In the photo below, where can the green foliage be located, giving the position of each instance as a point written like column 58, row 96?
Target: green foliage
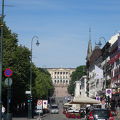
column 17, row 58
column 76, row 75
column 43, row 84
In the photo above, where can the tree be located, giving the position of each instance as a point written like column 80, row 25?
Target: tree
column 43, row 84
column 17, row 58
column 76, row 75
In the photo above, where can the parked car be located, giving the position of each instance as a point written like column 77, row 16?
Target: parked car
column 72, row 110
column 99, row 114
column 38, row 111
column 54, row 109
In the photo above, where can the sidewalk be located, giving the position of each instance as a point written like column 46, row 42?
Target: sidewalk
column 24, row 118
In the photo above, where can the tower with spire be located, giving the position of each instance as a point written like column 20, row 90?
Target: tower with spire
column 89, row 50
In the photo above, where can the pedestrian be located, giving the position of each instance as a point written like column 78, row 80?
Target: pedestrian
column 87, row 110
column 3, row 112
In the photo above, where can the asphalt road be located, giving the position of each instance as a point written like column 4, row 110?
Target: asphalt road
column 59, row 116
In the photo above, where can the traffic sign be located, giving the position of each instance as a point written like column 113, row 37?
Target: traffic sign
column 8, row 81
column 98, row 98
column 8, row 72
column 39, row 104
column 109, row 92
column 45, row 104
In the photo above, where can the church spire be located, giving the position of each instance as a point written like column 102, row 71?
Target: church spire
column 89, row 51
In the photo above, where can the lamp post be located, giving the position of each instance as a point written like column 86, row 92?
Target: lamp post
column 1, row 45
column 30, row 105
column 105, row 75
column 103, row 38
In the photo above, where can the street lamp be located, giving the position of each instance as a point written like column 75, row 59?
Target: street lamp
column 99, row 44
column 105, row 75
column 30, row 107
column 1, row 52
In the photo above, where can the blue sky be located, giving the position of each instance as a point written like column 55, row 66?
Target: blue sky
column 62, row 27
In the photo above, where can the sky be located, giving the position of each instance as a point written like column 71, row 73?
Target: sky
column 62, row 27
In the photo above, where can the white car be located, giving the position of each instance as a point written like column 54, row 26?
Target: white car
column 54, row 109
column 38, row 111
column 71, row 110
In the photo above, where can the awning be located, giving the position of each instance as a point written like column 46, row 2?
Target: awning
column 84, row 100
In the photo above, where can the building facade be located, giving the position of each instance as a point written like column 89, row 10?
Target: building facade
column 103, row 72
column 83, row 86
column 61, row 79
column 114, row 63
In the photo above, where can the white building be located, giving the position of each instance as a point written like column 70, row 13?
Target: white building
column 83, row 86
column 60, row 76
column 61, row 79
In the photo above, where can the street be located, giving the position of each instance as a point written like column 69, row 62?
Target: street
column 55, row 117
column 59, row 116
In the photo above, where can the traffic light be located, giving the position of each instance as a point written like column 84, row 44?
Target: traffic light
column 29, row 99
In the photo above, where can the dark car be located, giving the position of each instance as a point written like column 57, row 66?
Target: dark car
column 99, row 114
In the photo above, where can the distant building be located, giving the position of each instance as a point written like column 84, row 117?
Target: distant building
column 61, row 79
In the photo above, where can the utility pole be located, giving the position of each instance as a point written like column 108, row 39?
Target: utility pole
column 1, row 42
